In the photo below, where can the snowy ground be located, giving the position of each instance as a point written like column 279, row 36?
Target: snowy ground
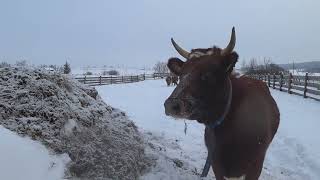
column 23, row 158
column 294, row 153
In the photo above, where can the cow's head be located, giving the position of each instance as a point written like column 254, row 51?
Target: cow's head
column 202, row 92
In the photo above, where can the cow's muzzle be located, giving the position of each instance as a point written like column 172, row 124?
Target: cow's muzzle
column 178, row 108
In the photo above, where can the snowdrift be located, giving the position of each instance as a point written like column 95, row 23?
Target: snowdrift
column 23, row 158
column 71, row 118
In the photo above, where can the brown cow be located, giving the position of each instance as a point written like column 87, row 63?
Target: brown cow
column 174, row 79
column 240, row 115
column 168, row 80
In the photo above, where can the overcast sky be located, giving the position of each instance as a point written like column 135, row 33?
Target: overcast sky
column 138, row 32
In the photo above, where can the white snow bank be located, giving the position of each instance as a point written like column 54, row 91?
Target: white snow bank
column 23, row 158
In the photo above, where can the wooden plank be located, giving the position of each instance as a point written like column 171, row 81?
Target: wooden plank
column 298, row 88
column 92, row 77
column 79, row 78
column 314, row 92
column 315, row 78
column 315, row 85
column 298, row 83
column 298, row 77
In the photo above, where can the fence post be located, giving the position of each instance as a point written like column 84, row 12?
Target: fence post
column 144, row 76
column 85, row 78
column 266, row 78
column 290, row 83
column 281, row 81
column 305, row 86
column 122, row 79
column 100, row 80
column 269, row 84
column 111, row 80
column 131, row 79
column 274, row 81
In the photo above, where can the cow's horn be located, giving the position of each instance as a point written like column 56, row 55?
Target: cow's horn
column 181, row 51
column 231, row 44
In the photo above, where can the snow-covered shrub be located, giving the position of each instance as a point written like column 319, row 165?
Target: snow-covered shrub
column 110, row 72
column 113, row 72
column 69, row 117
column 88, row 73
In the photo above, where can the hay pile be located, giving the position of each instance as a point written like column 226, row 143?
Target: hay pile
column 71, row 118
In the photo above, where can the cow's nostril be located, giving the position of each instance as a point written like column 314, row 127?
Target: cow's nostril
column 176, row 107
column 172, row 107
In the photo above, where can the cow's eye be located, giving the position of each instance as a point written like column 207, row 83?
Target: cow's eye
column 207, row 78
column 204, row 77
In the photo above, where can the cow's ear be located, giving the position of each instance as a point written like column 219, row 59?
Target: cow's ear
column 230, row 61
column 175, row 66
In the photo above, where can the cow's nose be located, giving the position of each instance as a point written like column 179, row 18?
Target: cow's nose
column 172, row 107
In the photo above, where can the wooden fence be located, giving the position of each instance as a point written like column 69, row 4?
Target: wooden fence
column 306, row 86
column 105, row 80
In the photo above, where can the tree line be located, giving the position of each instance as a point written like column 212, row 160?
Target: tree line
column 266, row 66
column 64, row 69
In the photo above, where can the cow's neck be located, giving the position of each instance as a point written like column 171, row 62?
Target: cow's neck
column 210, row 138
column 217, row 122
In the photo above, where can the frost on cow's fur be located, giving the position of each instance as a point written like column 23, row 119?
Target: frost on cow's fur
column 71, row 118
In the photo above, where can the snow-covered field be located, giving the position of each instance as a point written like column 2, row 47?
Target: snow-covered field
column 23, row 158
column 294, row 153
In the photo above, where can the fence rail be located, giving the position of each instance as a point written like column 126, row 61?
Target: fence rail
column 105, row 80
column 306, row 86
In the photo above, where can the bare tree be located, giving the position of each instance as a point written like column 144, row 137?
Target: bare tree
column 253, row 64
column 21, row 63
column 4, row 64
column 266, row 63
column 161, row 67
column 55, row 69
column 265, row 67
column 244, row 66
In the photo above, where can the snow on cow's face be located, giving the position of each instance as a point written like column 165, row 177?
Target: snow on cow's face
column 202, row 90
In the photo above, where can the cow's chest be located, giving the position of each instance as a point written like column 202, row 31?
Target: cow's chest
column 232, row 154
